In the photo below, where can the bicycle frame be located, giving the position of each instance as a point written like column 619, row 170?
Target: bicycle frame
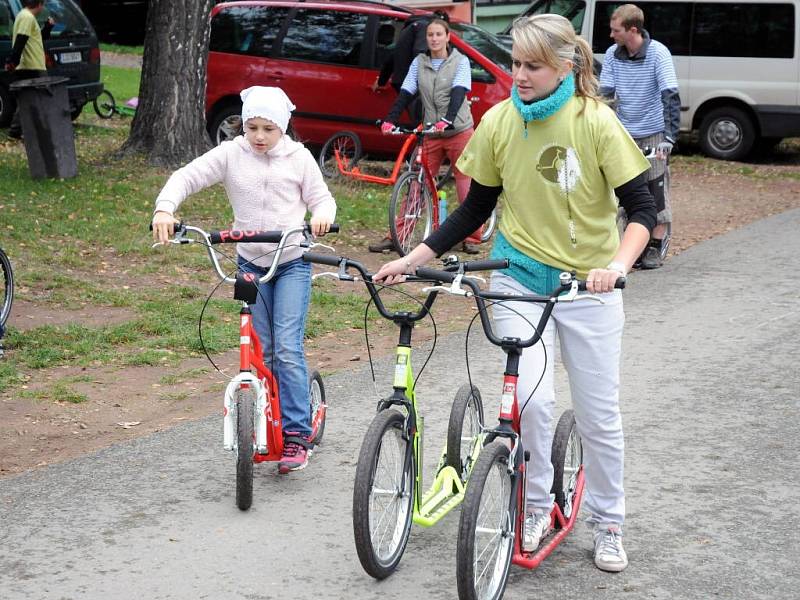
column 356, row 173
column 509, row 418
column 268, row 430
column 447, row 490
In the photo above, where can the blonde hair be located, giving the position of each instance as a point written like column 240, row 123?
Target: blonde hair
column 551, row 40
column 629, row 15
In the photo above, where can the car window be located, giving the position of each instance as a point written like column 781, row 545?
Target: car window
column 487, row 44
column 574, row 10
column 667, row 22
column 757, row 30
column 6, row 21
column 246, row 30
column 70, row 22
column 329, row 36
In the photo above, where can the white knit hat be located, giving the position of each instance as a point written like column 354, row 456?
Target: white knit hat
column 269, row 103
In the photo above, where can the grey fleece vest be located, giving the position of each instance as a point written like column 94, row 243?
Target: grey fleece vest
column 434, row 89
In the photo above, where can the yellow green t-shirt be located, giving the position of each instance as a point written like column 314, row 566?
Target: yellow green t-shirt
column 33, row 54
column 558, row 181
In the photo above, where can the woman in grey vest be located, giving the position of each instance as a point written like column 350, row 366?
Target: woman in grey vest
column 442, row 77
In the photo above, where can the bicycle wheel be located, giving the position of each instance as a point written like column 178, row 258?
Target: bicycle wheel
column 410, row 211
column 7, row 290
column 104, row 105
column 466, row 418
column 245, row 406
column 567, row 458
column 318, row 409
column 349, row 146
column 489, row 227
column 383, row 495
column 486, row 530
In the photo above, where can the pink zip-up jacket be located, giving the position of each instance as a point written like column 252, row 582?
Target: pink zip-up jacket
column 271, row 191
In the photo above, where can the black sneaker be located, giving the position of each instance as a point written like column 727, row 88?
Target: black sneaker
column 384, row 245
column 651, row 258
column 468, row 248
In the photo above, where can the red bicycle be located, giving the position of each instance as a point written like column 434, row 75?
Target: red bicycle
column 413, row 207
column 493, row 513
column 251, row 408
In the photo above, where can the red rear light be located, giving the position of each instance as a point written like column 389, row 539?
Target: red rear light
column 48, row 60
column 94, row 56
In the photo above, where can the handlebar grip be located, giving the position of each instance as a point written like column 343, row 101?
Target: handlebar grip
column 178, row 226
column 231, row 236
column 486, row 265
column 435, row 274
column 334, row 228
column 619, row 284
column 322, row 259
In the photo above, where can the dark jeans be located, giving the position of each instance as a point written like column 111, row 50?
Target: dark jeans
column 15, row 129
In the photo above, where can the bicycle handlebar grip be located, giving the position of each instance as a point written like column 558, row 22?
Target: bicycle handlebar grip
column 232, row 236
column 435, row 274
column 322, row 259
column 486, row 265
column 619, row 284
column 334, row 228
column 178, row 226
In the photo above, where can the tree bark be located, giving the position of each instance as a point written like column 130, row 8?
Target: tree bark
column 169, row 125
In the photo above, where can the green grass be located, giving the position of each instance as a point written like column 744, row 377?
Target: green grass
column 83, row 243
column 119, row 49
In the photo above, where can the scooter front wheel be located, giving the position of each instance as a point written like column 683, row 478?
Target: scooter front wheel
column 487, row 527
column 245, row 408
column 383, row 495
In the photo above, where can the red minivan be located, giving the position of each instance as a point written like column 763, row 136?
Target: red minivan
column 326, row 55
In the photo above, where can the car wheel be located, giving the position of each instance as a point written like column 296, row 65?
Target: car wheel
column 727, row 133
column 7, row 105
column 226, row 124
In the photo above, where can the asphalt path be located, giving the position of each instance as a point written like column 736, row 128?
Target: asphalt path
column 710, row 409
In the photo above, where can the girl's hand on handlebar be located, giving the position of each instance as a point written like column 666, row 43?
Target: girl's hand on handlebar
column 386, row 127
column 599, row 281
column 163, row 226
column 392, row 272
column 320, row 225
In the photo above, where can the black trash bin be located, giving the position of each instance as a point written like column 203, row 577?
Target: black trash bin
column 47, row 126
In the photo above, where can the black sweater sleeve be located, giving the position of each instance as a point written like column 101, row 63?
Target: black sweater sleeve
column 457, row 95
column 635, row 197
column 403, row 100
column 473, row 212
column 19, row 46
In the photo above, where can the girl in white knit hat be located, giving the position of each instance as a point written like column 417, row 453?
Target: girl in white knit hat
column 271, row 182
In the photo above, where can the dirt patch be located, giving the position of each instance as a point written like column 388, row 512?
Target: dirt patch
column 709, row 199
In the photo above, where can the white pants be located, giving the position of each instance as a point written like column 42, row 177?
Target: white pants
column 590, row 336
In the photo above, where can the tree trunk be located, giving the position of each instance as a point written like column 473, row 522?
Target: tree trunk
column 169, row 125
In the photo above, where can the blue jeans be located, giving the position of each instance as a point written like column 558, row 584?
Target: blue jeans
column 279, row 314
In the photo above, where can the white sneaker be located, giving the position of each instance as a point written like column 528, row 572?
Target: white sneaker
column 609, row 555
column 537, row 526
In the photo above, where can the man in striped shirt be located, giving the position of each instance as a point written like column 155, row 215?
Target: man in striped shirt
column 639, row 76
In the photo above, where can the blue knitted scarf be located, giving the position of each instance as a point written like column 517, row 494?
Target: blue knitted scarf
column 541, row 109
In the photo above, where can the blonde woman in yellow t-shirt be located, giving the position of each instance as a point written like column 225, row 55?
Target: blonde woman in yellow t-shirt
column 560, row 157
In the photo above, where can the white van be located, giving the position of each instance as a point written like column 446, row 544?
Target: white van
column 738, row 63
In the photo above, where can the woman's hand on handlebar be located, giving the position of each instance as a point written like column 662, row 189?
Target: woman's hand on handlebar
column 163, row 226
column 320, row 225
column 392, row 272
column 599, row 281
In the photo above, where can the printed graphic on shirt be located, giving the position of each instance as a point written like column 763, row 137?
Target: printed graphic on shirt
column 561, row 166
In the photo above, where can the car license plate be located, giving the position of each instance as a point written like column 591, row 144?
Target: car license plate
column 70, row 57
